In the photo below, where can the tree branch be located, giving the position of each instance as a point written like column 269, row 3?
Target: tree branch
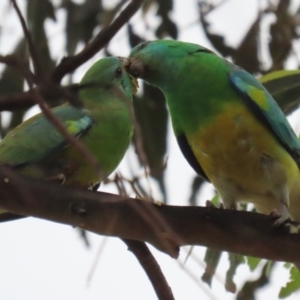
column 69, row 64
column 151, row 267
column 165, row 227
column 16, row 63
column 13, row 61
column 32, row 50
column 90, row 158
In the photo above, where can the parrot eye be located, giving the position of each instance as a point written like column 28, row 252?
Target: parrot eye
column 118, row 72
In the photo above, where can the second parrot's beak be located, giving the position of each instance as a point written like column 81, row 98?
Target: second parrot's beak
column 135, row 84
column 126, row 62
column 136, row 68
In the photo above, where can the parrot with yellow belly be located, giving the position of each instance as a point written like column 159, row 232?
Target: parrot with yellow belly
column 228, row 126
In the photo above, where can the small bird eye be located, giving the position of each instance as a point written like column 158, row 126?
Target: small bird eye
column 119, row 72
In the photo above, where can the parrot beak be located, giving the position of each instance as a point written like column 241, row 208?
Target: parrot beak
column 135, row 84
column 136, row 68
column 126, row 62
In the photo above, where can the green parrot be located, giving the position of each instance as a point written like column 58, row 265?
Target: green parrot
column 228, row 126
column 104, row 125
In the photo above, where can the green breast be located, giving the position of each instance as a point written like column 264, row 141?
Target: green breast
column 108, row 140
column 201, row 96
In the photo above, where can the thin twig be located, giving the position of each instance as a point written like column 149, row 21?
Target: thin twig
column 154, row 220
column 69, row 64
column 51, row 117
column 90, row 158
column 32, row 51
column 96, row 260
column 165, row 233
column 145, row 257
column 141, row 153
column 138, row 141
column 14, row 62
column 151, row 267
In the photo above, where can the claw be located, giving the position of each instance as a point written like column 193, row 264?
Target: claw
column 59, row 178
column 208, row 203
column 281, row 217
column 274, row 214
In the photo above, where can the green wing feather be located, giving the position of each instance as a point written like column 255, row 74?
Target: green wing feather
column 37, row 137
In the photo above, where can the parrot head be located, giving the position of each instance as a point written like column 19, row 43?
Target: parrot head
column 157, row 61
column 109, row 72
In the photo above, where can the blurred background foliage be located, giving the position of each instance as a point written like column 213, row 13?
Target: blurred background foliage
column 84, row 18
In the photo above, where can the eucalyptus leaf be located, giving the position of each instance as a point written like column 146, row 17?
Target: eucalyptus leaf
column 212, row 259
column 291, row 286
column 284, row 86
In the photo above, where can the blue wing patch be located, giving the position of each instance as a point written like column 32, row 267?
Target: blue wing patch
column 262, row 104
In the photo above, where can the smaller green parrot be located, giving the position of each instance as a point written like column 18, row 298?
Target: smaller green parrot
column 104, row 125
column 228, row 126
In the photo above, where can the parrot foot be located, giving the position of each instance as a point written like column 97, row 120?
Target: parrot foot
column 59, row 178
column 208, row 203
column 281, row 217
column 232, row 206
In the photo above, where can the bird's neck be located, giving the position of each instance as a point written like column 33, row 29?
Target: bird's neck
column 197, row 97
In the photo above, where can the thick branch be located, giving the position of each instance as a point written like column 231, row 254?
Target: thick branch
column 51, row 92
column 165, row 227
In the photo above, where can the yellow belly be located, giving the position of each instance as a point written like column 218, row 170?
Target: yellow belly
column 243, row 160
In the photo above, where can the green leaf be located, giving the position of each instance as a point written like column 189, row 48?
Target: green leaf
column 216, row 200
column 253, row 262
column 212, row 259
column 12, row 80
column 152, row 116
column 284, row 86
column 234, row 261
column 287, row 265
column 282, row 32
column 167, row 27
column 217, row 40
column 37, row 13
column 292, row 286
column 133, row 38
column 249, row 289
column 246, row 55
column 196, row 186
column 82, row 19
